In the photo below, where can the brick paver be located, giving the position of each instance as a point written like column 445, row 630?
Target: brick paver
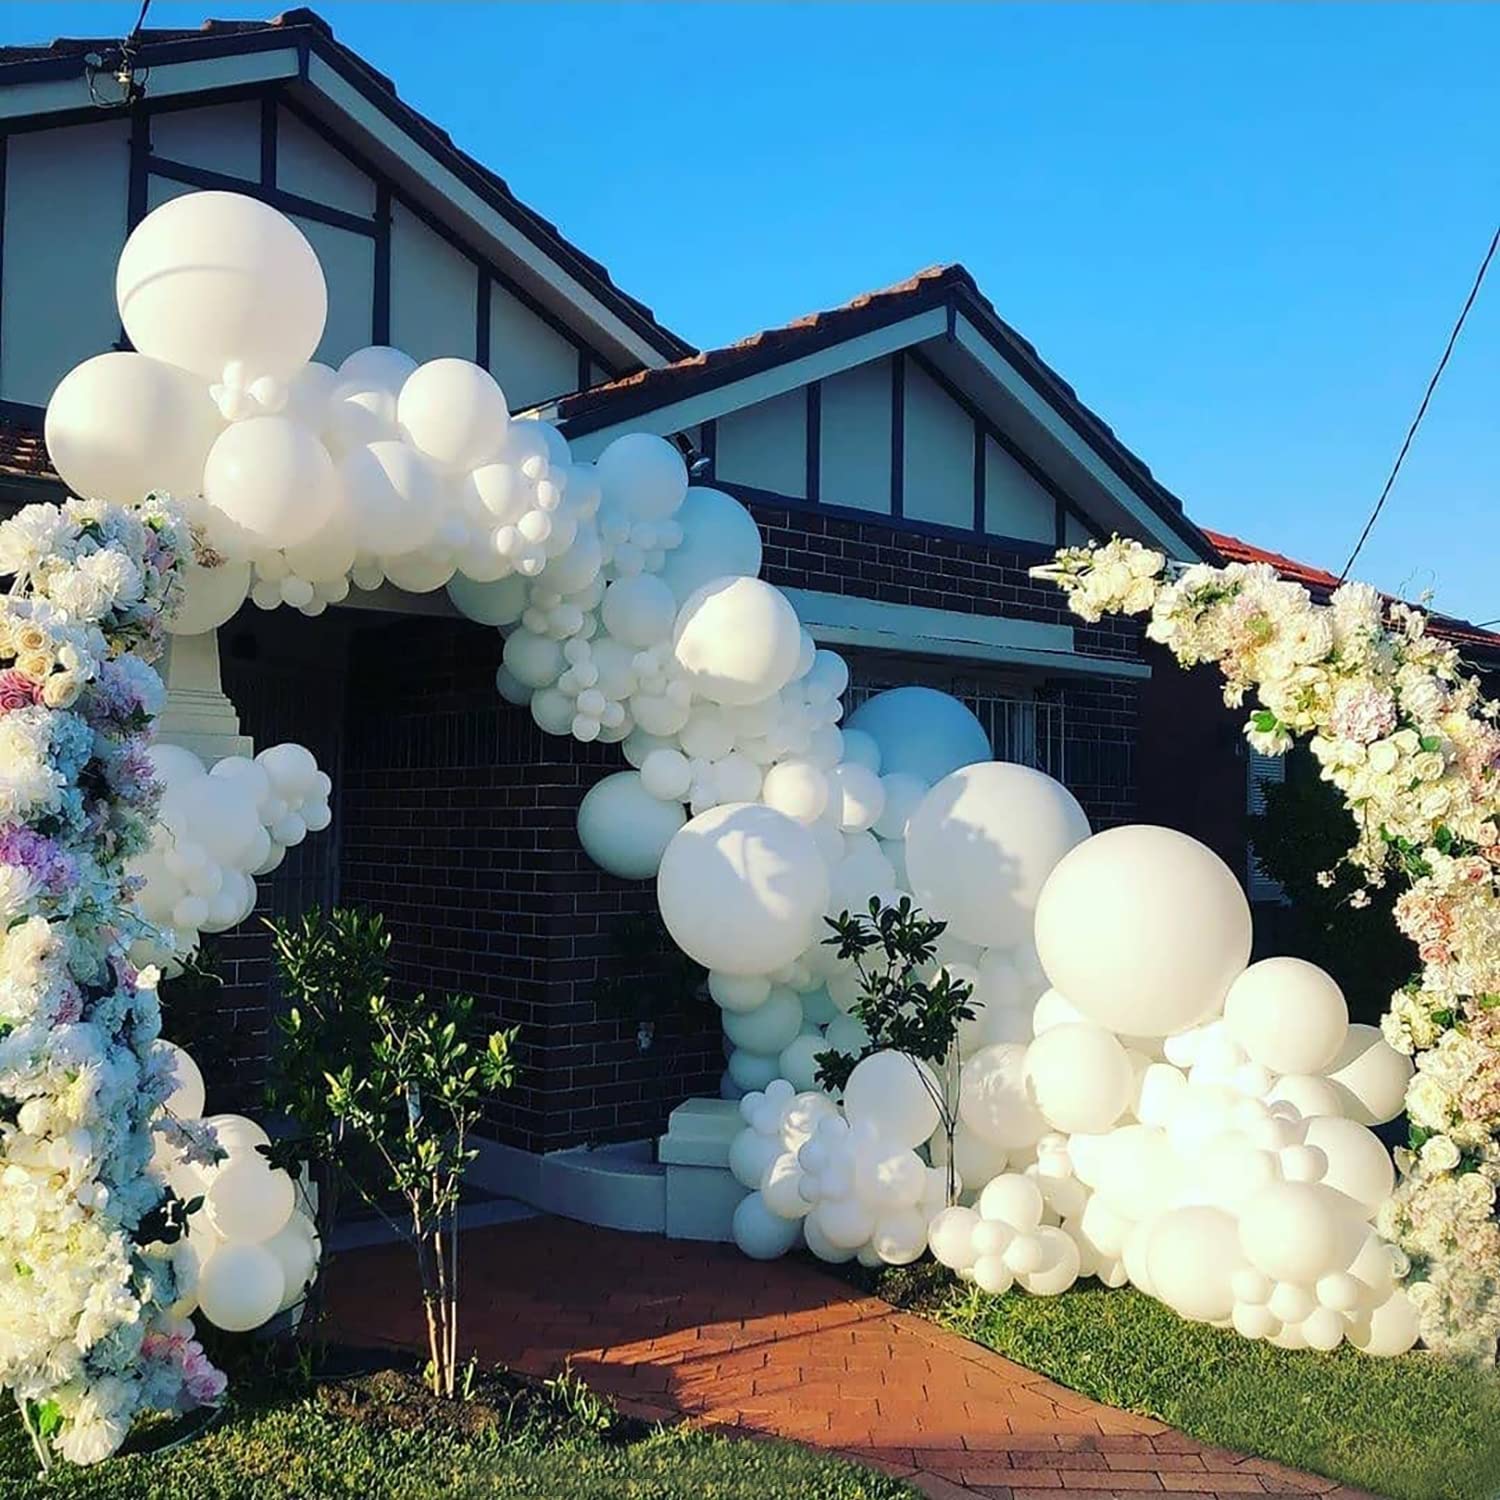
column 677, row 1330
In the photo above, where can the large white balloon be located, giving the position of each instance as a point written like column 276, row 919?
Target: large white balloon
column 738, row 640
column 249, row 1200
column 453, row 411
column 1143, row 929
column 742, row 889
column 921, row 732
column 210, row 278
column 897, row 1095
column 240, row 1287
column 981, row 844
column 624, row 829
column 120, row 425
column 272, row 480
column 1370, row 1076
column 993, row 1101
column 643, row 475
column 719, row 540
column 1192, row 1256
column 394, row 495
column 1287, row 1014
column 1079, row 1077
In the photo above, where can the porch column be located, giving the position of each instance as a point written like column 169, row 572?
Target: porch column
column 198, row 716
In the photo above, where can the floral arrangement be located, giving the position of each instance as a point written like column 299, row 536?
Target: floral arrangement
column 87, row 1282
column 1405, row 733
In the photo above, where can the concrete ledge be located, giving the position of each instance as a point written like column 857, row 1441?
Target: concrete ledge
column 616, row 1187
column 685, row 1191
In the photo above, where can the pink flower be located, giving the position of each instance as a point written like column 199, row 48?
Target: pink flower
column 17, row 690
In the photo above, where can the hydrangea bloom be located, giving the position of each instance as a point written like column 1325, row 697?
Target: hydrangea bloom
column 1405, row 734
column 85, row 1332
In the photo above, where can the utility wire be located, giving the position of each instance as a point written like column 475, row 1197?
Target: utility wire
column 1416, row 421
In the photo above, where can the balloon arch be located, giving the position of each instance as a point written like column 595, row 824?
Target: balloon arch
column 1137, row 1102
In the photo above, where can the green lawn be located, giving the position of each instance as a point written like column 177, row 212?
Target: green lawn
column 1413, row 1428
column 313, row 1445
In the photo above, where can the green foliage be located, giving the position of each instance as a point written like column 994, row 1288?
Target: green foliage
column 1414, row 1428
column 1304, row 832
column 274, row 1444
column 907, row 1003
column 385, row 1088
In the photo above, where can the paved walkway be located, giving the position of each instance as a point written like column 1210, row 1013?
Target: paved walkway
column 674, row 1330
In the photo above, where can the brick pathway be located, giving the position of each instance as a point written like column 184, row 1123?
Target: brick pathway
column 673, row 1329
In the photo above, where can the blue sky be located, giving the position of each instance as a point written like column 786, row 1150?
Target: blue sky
column 1242, row 233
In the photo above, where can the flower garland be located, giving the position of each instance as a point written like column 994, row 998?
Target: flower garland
column 86, row 1338
column 1405, row 733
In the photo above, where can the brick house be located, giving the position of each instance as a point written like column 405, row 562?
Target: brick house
column 908, row 456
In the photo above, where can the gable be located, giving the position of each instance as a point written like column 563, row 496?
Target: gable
column 890, row 437
column 420, row 242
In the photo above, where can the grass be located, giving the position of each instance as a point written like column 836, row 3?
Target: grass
column 1414, row 1428
column 381, row 1438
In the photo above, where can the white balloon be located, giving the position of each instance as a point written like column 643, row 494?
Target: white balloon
column 639, row 610
column 797, row 788
column 1300, row 1231
column 499, row 602
column 395, row 497
column 798, row 1062
column 896, row 1094
column 1143, row 929
column 719, row 540
column 1287, row 1014
column 903, row 795
column 858, row 795
column 643, row 475
column 1079, row 1077
column 249, row 1200
column 210, row 597
column 770, row 1027
column 1013, row 1200
column 1391, row 1329
column 738, row 640
column 295, row 1250
column 1192, row 1255
column 272, row 480
column 237, row 1134
column 993, row 1101
column 454, row 412
column 624, row 829
column 742, row 888
column 982, row 844
column 1371, row 1076
column 210, row 278
column 240, row 1287
column 1060, row 1266
column 121, row 425
column 1358, row 1165
column 921, row 732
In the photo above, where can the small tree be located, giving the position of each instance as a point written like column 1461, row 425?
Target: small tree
column 384, row 1091
column 413, row 1102
column 906, row 1003
column 330, row 965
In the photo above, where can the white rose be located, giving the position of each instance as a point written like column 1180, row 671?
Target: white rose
column 1439, row 1154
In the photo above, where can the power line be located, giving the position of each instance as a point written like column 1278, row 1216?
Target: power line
column 1416, row 421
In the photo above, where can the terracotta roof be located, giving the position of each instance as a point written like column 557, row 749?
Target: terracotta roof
column 159, row 45
column 657, row 387
column 1320, row 583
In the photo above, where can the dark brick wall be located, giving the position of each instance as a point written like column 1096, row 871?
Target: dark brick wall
column 459, row 824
